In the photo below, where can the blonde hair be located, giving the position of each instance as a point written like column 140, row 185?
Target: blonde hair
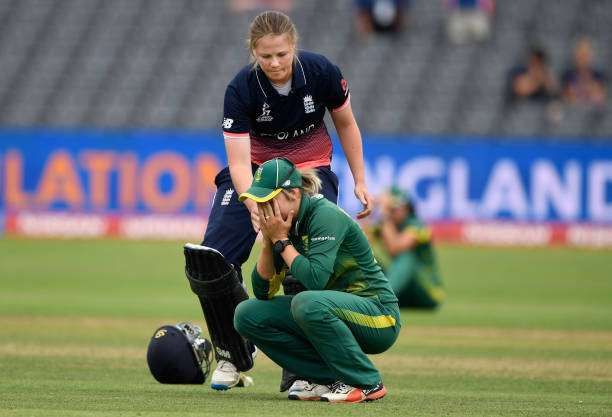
column 311, row 183
column 270, row 22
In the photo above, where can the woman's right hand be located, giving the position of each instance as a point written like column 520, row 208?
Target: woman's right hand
column 254, row 211
column 362, row 194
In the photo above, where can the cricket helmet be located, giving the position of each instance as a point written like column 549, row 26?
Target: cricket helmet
column 178, row 354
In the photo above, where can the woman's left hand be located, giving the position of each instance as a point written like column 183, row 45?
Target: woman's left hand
column 271, row 221
column 361, row 192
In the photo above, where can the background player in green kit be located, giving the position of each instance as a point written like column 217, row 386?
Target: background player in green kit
column 403, row 246
column 321, row 334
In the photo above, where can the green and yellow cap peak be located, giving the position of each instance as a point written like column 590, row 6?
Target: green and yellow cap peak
column 399, row 197
column 271, row 178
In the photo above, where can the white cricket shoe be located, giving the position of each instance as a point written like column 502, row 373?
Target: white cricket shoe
column 306, row 391
column 343, row 393
column 226, row 376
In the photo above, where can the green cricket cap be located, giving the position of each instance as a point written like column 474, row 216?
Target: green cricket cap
column 399, row 197
column 271, row 178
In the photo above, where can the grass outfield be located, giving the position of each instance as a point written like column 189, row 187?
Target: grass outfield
column 525, row 332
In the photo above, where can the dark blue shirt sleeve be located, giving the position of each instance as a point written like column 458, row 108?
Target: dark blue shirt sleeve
column 235, row 112
column 336, row 91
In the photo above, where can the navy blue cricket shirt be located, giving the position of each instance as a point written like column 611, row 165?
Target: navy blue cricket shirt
column 286, row 126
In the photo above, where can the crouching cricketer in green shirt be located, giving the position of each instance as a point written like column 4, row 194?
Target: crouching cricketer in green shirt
column 322, row 334
column 403, row 246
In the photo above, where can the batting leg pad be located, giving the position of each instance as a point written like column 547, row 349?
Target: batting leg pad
column 218, row 287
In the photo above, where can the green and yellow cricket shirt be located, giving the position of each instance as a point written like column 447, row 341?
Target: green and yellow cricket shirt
column 334, row 255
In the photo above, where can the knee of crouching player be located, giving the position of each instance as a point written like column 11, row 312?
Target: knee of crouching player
column 306, row 307
column 244, row 318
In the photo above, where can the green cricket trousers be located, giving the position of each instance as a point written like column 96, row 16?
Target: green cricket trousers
column 414, row 283
column 322, row 336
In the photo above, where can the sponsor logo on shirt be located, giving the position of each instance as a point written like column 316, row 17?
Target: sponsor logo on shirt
column 265, row 114
column 227, row 197
column 309, row 106
column 227, row 123
column 321, row 238
column 291, row 134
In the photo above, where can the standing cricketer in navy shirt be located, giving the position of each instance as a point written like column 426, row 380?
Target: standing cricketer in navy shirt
column 274, row 107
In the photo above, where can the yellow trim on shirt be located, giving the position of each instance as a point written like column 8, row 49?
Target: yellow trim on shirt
column 421, row 234
column 275, row 283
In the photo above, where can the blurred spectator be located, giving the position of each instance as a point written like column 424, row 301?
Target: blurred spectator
column 534, row 81
column 469, row 20
column 582, row 83
column 403, row 247
column 383, row 16
column 251, row 5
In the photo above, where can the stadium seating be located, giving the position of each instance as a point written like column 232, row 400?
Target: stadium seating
column 165, row 64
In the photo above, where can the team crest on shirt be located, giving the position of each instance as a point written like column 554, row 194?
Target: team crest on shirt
column 265, row 114
column 309, row 106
